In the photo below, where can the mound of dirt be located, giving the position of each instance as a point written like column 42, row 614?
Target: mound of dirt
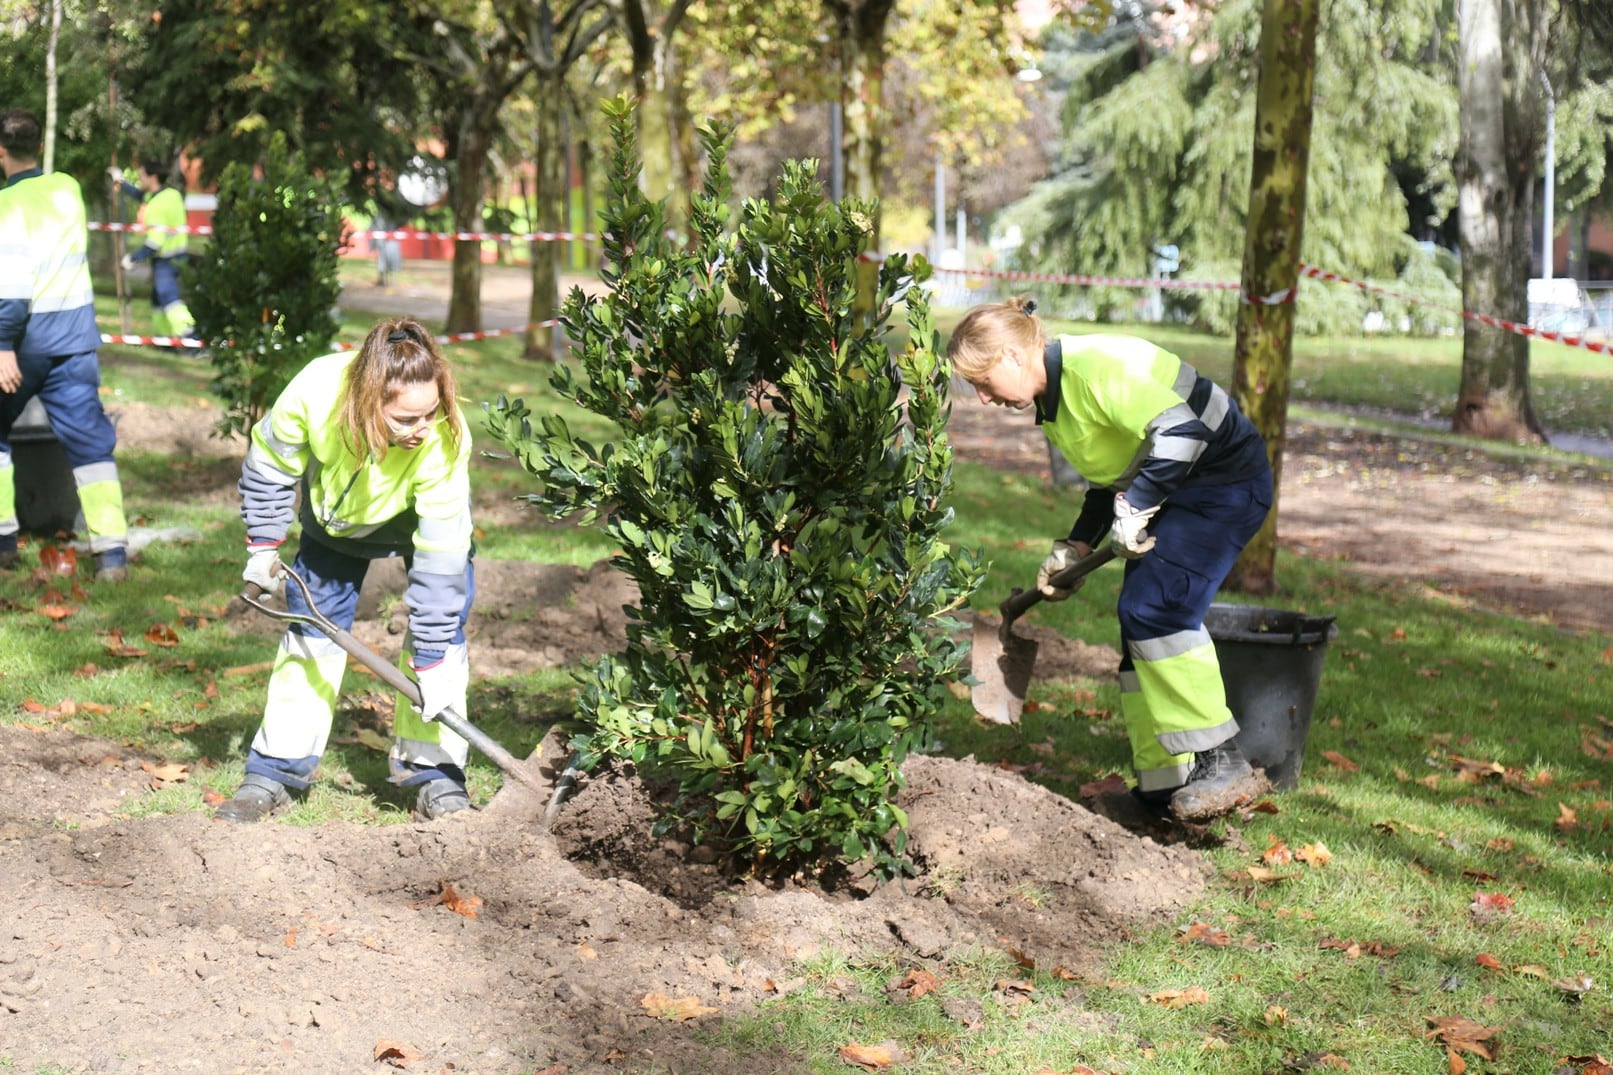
column 483, row 942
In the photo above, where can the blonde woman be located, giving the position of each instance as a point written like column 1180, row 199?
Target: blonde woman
column 1179, row 481
column 380, row 453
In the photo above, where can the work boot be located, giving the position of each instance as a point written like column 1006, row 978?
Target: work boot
column 112, row 565
column 441, row 797
column 1221, row 779
column 9, row 558
column 256, row 798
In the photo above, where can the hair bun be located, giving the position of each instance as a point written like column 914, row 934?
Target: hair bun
column 1029, row 306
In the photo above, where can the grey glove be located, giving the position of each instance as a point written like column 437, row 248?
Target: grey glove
column 264, row 568
column 1064, row 554
column 443, row 682
column 127, row 262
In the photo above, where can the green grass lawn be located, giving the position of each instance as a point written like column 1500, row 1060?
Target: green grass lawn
column 1446, row 854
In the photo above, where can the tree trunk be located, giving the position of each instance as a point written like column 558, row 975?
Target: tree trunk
column 1500, row 44
column 860, row 46
column 470, row 169
column 1277, row 174
column 543, row 341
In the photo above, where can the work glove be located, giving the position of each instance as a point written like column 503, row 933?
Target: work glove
column 1129, row 532
column 263, row 568
column 1064, row 554
column 127, row 262
column 443, row 680
column 115, row 174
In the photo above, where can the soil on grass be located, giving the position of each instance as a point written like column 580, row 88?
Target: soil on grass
column 486, row 943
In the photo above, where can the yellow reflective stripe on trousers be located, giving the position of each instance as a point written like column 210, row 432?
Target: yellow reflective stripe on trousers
column 424, row 743
column 100, row 494
column 1157, row 768
column 303, row 688
column 1181, row 678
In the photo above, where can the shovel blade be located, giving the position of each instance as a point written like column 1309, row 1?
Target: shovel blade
column 1001, row 663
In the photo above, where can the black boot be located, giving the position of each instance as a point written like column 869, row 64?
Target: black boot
column 112, row 565
column 441, row 797
column 1221, row 780
column 256, row 798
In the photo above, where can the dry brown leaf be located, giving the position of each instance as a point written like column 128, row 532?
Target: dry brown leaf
column 1332, row 1060
column 677, row 1009
column 1268, row 877
column 397, row 1053
column 1315, row 854
column 1485, row 959
column 1114, row 783
column 1596, row 1064
column 1488, row 906
column 1461, row 1034
column 1454, row 1063
column 160, row 634
column 1276, row 853
column 167, row 773
column 1533, row 970
column 59, row 560
column 1335, row 758
column 458, row 902
column 1180, row 998
column 873, row 1057
column 248, row 669
column 116, row 647
column 1577, row 985
column 917, row 982
column 57, row 612
column 1276, row 1015
column 1567, row 818
column 1202, row 933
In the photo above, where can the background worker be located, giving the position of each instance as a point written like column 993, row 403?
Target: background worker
column 380, row 452
column 1180, row 482
column 49, row 342
column 167, row 246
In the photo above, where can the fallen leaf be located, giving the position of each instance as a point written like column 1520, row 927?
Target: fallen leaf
column 59, row 560
column 1276, row 853
column 1180, row 998
column 677, row 1009
column 160, row 634
column 1334, row 1061
column 873, row 1057
column 1485, row 959
column 1461, row 1034
column 1567, row 818
column 1577, row 985
column 1335, row 758
column 1315, row 854
column 166, row 773
column 1533, row 970
column 1013, row 987
column 1487, row 906
column 917, row 982
column 396, row 1053
column 1276, row 1015
column 1113, row 783
column 248, row 669
column 1201, row 933
column 56, row 612
column 1594, row 1065
column 113, row 641
column 1267, row 877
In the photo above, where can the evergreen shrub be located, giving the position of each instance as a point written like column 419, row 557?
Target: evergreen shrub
column 777, row 485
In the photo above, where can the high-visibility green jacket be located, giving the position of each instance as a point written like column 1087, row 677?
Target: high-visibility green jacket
column 164, row 210
column 47, row 306
column 1132, row 417
column 413, row 502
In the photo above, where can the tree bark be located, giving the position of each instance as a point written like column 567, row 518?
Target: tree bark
column 470, row 169
column 543, row 342
column 1277, row 176
column 1501, row 44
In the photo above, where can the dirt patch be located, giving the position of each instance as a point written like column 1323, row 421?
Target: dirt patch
column 175, row 942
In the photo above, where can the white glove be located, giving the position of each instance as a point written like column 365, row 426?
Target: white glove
column 444, row 683
column 1129, row 533
column 1064, row 554
column 115, row 174
column 127, row 262
column 263, row 568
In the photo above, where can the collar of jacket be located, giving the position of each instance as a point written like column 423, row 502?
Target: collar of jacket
column 1047, row 404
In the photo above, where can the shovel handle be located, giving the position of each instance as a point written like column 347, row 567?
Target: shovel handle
column 394, row 677
column 1020, row 600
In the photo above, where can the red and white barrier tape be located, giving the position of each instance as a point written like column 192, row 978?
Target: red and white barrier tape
column 402, row 233
column 190, row 343
column 1285, row 296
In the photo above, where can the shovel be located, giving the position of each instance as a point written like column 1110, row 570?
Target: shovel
column 1001, row 661
column 394, row 678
